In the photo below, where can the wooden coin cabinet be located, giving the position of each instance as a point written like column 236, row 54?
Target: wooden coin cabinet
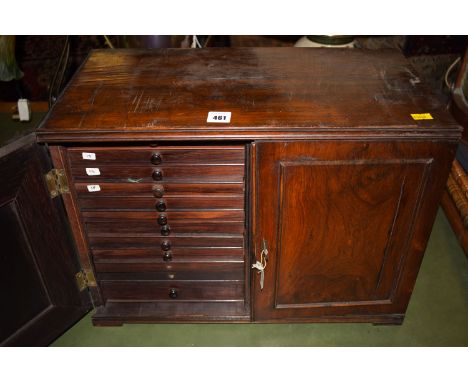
column 248, row 185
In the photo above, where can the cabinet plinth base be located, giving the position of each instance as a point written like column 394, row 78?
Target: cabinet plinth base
column 385, row 319
column 118, row 313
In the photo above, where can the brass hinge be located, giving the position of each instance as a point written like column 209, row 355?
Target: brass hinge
column 57, row 182
column 84, row 279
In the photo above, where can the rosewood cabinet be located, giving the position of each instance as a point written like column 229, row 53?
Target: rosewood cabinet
column 309, row 196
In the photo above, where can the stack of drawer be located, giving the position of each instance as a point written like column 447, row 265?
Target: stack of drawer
column 164, row 223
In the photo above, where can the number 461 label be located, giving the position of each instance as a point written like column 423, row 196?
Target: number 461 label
column 219, row 117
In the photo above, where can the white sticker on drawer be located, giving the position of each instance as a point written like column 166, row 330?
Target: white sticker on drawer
column 92, row 171
column 219, row 117
column 93, row 187
column 89, row 156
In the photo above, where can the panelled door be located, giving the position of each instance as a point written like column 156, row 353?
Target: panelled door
column 345, row 225
column 39, row 292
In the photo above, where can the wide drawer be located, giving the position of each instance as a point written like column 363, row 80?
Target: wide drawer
column 125, row 270
column 169, row 189
column 168, row 203
column 172, row 290
column 159, row 155
column 186, row 173
column 103, row 241
column 177, row 253
column 130, row 216
column 175, row 226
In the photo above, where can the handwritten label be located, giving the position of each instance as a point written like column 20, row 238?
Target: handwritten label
column 219, row 117
column 92, row 171
column 93, row 187
column 418, row 117
column 89, row 156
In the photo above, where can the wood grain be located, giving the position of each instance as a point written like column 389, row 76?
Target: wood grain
column 103, row 241
column 174, row 155
column 459, row 175
column 458, row 197
column 159, row 290
column 178, row 253
column 38, row 261
column 167, row 94
column 168, row 188
column 189, row 173
column 339, row 219
column 179, row 226
column 200, row 215
column 200, row 197
column 195, row 202
column 115, row 313
column 59, row 159
column 321, row 158
column 159, row 270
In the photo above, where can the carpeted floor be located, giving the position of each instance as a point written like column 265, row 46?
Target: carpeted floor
column 437, row 316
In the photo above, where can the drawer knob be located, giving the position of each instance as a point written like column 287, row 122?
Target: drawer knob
column 158, row 192
column 173, row 293
column 156, row 159
column 157, row 175
column 167, row 256
column 161, row 206
column 162, row 219
column 166, row 245
column 165, row 230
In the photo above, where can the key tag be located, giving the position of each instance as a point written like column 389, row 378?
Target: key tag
column 261, row 265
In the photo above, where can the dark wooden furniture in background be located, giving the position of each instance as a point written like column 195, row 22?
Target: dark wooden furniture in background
column 322, row 174
column 39, row 295
column 455, row 197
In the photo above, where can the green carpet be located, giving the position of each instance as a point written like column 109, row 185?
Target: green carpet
column 437, row 316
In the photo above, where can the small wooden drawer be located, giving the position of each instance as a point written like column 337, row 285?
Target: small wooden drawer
column 159, row 270
column 124, row 241
column 163, row 204
column 145, row 290
column 176, row 226
column 159, row 189
column 160, row 155
column 190, row 173
column 177, row 254
column 131, row 216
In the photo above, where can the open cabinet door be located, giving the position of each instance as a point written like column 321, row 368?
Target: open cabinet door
column 39, row 292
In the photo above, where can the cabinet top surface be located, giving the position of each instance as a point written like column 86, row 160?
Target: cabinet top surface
column 271, row 93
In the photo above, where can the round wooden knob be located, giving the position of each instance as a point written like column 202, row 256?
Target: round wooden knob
column 167, row 256
column 158, row 191
column 165, row 230
column 173, row 293
column 156, row 159
column 161, row 206
column 162, row 219
column 157, row 175
column 166, row 245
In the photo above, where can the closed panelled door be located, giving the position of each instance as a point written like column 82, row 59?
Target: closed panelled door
column 345, row 226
